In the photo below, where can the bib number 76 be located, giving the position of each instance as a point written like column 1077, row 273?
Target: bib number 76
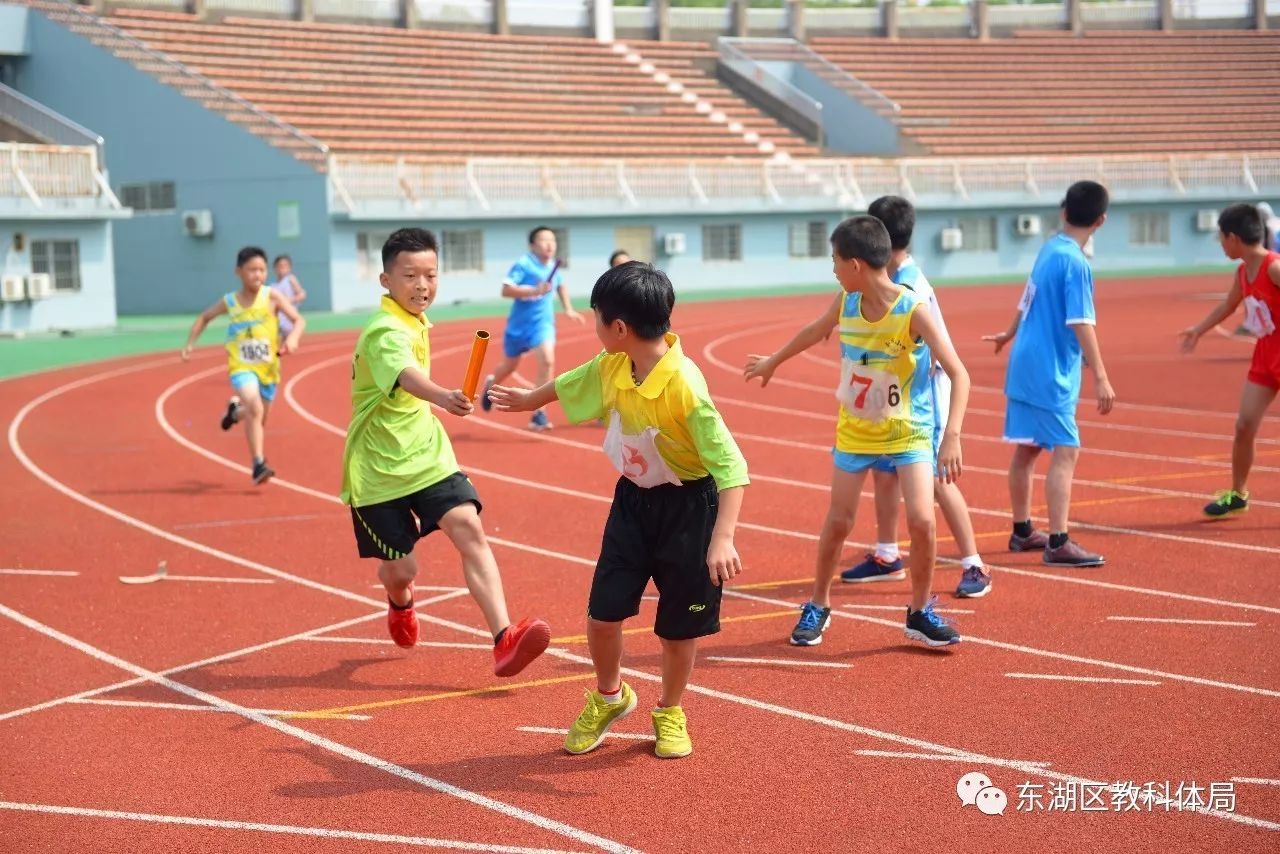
column 869, row 393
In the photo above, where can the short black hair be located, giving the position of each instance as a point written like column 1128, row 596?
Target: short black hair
column 617, row 253
column 280, row 258
column 898, row 216
column 638, row 294
column 864, row 238
column 1244, row 221
column 247, row 254
column 533, row 234
column 407, row 240
column 1085, row 203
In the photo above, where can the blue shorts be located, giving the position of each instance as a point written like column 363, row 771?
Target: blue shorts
column 240, row 379
column 855, row 463
column 520, row 341
column 1025, row 424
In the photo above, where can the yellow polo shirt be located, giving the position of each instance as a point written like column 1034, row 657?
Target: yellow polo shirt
column 692, row 437
column 395, row 443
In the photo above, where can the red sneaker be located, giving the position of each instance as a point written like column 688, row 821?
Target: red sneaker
column 520, row 644
column 402, row 623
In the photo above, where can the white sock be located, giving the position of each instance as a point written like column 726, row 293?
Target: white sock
column 615, row 697
column 887, row 551
column 971, row 560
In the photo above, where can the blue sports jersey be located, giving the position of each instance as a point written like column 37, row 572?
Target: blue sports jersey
column 531, row 314
column 1044, row 364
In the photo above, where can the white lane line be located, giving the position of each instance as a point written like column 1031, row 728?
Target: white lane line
column 1181, row 621
column 257, row 520
column 548, row 730
column 384, row 641
column 59, row 573
column 294, row 830
column 188, row 707
column 1056, row 677
column 417, row 586
column 337, row 748
column 1027, row 650
column 218, row 579
column 937, row 757
column 791, row 662
column 1256, row 781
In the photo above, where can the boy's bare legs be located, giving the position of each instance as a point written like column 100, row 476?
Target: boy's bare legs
column 886, row 492
column 1254, row 401
column 505, row 368
column 1057, row 486
column 462, row 526
column 845, row 491
column 956, row 511
column 677, row 667
column 604, row 643
column 1021, row 473
column 397, row 577
column 253, row 412
column 916, row 483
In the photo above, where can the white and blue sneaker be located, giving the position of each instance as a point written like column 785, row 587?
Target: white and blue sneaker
column 539, row 421
column 874, row 569
column 974, row 583
column 813, row 622
column 928, row 628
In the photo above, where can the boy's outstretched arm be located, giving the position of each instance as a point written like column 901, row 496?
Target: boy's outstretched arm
column 1002, row 338
column 569, row 311
column 1088, row 337
column 814, row 333
column 417, row 383
column 286, row 307
column 950, row 463
column 1220, row 312
column 508, row 399
column 202, row 321
column 511, row 291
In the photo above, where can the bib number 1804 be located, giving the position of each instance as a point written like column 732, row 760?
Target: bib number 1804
column 255, row 350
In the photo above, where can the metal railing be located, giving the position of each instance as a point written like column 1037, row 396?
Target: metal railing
column 789, row 50
column 745, row 66
column 57, row 174
column 481, row 187
column 191, row 83
column 39, row 121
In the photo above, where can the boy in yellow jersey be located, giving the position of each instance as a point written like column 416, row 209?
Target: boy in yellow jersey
column 253, row 360
column 675, row 507
column 399, row 473
column 886, row 415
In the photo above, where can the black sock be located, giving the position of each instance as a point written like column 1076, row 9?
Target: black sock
column 1057, row 540
column 497, row 639
column 396, row 607
column 1022, row 529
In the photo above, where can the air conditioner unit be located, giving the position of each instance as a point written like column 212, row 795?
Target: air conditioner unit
column 39, row 286
column 1027, row 225
column 1206, row 220
column 197, row 223
column 952, row 239
column 673, row 244
column 13, row 289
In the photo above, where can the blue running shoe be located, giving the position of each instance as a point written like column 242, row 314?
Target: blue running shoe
column 974, row 583
column 485, row 403
column 874, row 569
column 813, row 622
column 928, row 628
column 539, row 421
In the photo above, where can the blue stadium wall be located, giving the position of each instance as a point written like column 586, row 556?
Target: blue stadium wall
column 153, row 133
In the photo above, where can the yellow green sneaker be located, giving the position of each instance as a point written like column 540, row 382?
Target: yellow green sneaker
column 673, row 733
column 593, row 724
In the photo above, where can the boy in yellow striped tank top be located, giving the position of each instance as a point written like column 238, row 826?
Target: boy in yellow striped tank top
column 887, row 336
column 253, row 357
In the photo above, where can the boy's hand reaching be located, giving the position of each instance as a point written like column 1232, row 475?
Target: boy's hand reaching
column 1188, row 338
column 576, row 317
column 949, row 462
column 999, row 339
column 723, row 562
column 759, row 366
column 508, row 399
column 456, row 403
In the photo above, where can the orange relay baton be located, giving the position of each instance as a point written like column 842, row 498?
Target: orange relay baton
column 475, row 364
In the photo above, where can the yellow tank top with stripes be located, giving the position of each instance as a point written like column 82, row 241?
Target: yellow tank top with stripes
column 252, row 336
column 886, row 399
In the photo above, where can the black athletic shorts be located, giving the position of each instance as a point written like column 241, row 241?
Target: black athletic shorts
column 661, row 533
column 389, row 530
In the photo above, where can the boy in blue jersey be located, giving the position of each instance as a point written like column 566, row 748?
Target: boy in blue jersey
column 531, row 325
column 1051, row 333
column 885, row 563
column 888, row 342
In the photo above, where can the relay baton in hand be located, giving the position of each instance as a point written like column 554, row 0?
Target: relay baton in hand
column 475, row 364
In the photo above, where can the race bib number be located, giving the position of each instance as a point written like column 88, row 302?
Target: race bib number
column 254, row 351
column 1257, row 317
column 867, row 392
column 1028, row 297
